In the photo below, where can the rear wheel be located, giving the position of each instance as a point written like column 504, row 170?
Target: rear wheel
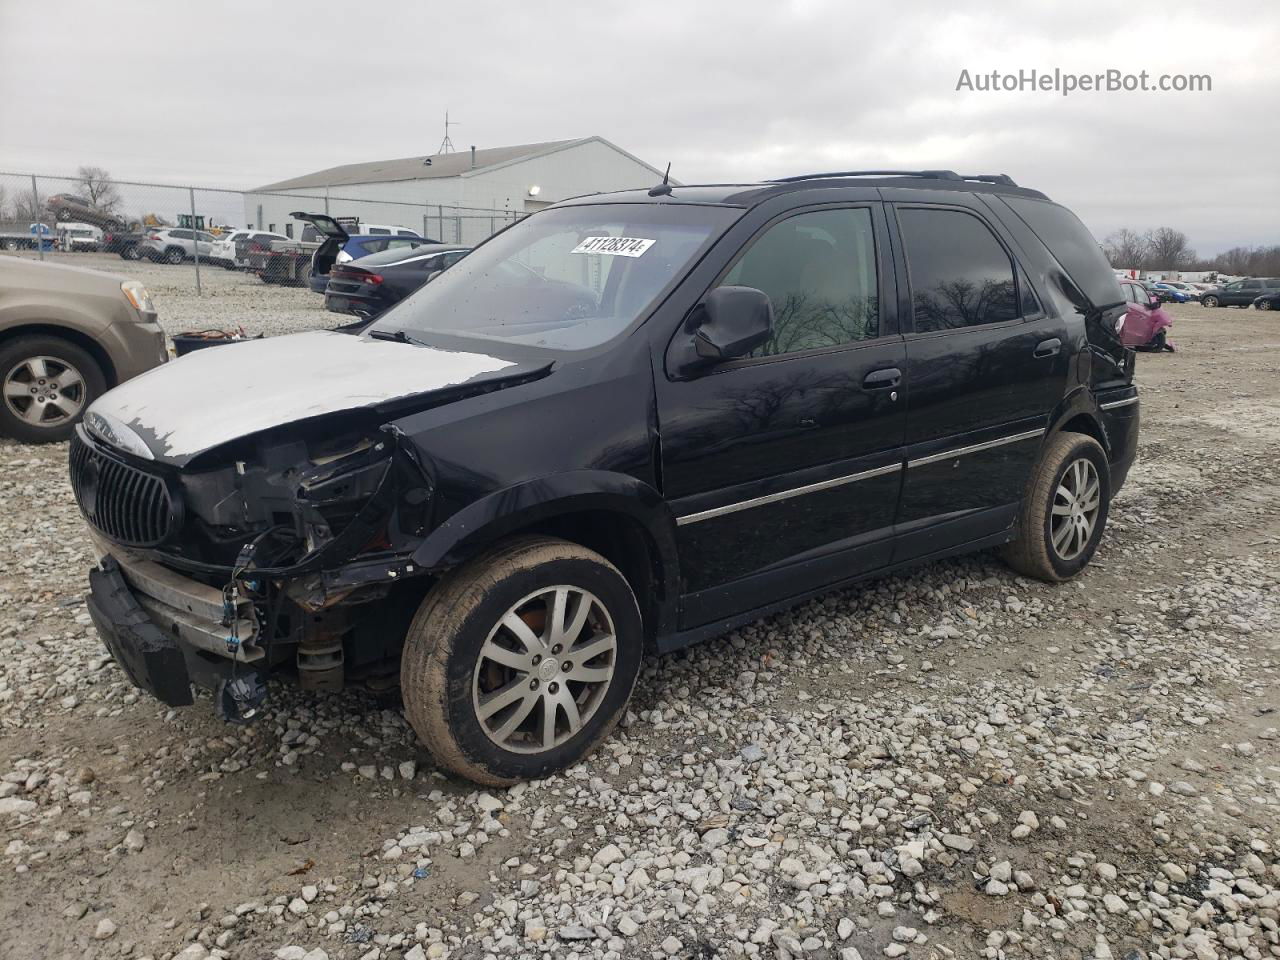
column 47, row 384
column 520, row 662
column 1264, row 304
column 1209, row 301
column 1064, row 511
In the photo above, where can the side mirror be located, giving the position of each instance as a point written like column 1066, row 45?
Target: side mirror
column 1154, row 302
column 730, row 322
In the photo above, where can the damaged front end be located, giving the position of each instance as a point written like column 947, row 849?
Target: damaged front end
column 286, row 553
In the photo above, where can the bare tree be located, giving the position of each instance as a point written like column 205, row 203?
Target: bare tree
column 1167, row 249
column 97, row 188
column 27, row 207
column 1126, row 249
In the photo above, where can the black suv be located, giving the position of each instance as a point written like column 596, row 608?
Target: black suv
column 1239, row 293
column 630, row 421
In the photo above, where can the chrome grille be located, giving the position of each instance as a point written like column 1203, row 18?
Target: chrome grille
column 128, row 505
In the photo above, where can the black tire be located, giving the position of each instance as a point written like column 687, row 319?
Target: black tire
column 440, row 666
column 174, row 255
column 1032, row 551
column 130, row 252
column 15, row 352
column 1208, row 301
column 1263, row 304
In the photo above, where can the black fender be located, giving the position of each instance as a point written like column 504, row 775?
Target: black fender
column 1079, row 402
column 533, row 502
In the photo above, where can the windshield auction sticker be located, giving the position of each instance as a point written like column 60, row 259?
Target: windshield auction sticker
column 614, row 246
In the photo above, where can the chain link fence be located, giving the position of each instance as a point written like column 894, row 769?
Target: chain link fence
column 193, row 229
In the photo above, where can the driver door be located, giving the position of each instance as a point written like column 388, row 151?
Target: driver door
column 784, row 467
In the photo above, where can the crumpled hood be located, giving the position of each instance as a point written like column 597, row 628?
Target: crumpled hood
column 179, row 410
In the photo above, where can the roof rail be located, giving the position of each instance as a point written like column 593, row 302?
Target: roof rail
column 1003, row 179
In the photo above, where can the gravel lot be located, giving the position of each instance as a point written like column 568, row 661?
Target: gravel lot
column 954, row 762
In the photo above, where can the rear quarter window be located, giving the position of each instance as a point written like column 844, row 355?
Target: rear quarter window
column 1072, row 244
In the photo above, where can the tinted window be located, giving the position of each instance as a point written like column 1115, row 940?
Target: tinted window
column 405, row 233
column 1251, row 285
column 1072, row 244
column 180, row 234
column 960, row 276
column 819, row 269
column 288, row 230
column 378, row 231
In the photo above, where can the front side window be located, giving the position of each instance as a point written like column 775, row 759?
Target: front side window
column 960, row 275
column 819, row 270
column 1251, row 285
column 568, row 278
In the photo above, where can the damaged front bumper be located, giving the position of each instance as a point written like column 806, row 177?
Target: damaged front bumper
column 168, row 632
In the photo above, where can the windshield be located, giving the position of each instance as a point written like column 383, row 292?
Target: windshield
column 566, row 279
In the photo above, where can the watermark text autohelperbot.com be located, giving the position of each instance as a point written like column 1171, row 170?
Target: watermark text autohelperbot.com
column 1066, row 83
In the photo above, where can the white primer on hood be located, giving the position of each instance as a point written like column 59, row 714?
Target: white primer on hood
column 220, row 393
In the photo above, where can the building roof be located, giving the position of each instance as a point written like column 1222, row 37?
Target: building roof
column 455, row 164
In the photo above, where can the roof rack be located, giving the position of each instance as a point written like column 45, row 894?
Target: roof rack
column 1003, row 179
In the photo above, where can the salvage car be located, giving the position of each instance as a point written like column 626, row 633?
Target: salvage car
column 1239, row 293
column 368, row 286
column 629, row 422
column 67, row 335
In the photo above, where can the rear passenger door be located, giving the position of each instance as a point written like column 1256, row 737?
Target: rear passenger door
column 986, row 365
column 783, row 467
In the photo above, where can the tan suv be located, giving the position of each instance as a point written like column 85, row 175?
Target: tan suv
column 67, row 335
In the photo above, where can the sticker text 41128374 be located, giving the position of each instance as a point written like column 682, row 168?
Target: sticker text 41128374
column 614, row 246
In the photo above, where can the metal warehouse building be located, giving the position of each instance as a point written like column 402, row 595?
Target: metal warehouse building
column 461, row 196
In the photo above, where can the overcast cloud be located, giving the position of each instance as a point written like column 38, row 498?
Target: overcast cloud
column 239, row 94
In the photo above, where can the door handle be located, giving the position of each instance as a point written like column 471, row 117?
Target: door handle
column 1048, row 348
column 885, row 379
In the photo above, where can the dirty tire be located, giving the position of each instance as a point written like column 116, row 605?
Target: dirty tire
column 1031, row 552
column 452, row 625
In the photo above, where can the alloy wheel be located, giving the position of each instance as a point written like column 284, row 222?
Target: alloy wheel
column 44, row 391
column 1076, row 503
column 544, row 669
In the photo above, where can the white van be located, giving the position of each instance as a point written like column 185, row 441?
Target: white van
column 79, row 236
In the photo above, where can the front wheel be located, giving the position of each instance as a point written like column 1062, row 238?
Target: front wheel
column 1064, row 511
column 521, row 661
column 1263, row 304
column 1209, row 302
column 174, row 255
column 47, row 384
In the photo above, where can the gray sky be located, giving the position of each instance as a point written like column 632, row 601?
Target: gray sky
column 230, row 93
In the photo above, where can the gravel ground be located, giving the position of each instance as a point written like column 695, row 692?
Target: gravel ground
column 954, row 762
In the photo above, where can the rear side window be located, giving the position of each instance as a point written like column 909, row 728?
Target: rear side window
column 960, row 275
column 378, row 231
column 1072, row 245
column 819, row 270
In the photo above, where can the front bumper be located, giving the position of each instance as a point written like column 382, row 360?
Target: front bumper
column 167, row 632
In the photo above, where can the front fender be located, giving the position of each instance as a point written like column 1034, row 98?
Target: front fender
column 507, row 511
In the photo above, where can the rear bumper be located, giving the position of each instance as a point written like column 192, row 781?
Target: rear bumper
column 164, row 632
column 352, row 303
column 1121, row 418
